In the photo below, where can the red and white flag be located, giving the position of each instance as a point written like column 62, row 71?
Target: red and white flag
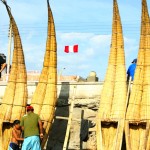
column 73, row 49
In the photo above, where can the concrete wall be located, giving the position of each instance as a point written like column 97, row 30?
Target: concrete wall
column 66, row 89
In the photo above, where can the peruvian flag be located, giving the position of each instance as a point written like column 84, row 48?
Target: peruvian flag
column 73, row 49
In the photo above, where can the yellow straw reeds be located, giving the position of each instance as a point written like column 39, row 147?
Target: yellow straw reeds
column 15, row 96
column 45, row 96
column 141, row 83
column 111, row 113
column 138, row 112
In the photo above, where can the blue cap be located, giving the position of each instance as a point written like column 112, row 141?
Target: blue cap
column 134, row 61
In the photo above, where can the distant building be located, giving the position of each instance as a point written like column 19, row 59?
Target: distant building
column 33, row 75
column 92, row 77
column 67, row 78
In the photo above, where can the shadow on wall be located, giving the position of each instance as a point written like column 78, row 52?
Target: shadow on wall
column 59, row 126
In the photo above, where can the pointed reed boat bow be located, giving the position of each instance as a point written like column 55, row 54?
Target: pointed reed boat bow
column 45, row 95
column 15, row 96
column 111, row 113
column 138, row 113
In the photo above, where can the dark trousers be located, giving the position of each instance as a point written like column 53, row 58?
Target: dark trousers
column 14, row 146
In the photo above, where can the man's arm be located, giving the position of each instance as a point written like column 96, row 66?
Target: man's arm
column 3, row 67
column 40, row 128
column 22, row 124
column 16, row 136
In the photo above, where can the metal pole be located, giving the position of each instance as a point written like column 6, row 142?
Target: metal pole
column 61, row 71
column 9, row 51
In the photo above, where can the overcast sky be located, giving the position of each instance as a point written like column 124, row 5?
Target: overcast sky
column 87, row 23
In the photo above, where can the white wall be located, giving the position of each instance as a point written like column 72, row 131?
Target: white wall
column 66, row 89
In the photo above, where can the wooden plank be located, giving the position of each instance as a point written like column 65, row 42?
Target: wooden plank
column 119, row 135
column 92, row 129
column 128, row 92
column 66, row 118
column 1, row 139
column 68, row 126
column 127, row 135
column 69, row 120
column 61, row 118
column 146, row 134
column 99, row 135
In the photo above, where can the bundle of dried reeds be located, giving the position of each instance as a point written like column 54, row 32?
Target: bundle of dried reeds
column 112, row 107
column 45, row 96
column 113, row 96
column 15, row 96
column 138, row 112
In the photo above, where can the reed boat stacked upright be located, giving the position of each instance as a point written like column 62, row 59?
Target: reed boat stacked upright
column 111, row 114
column 45, row 96
column 15, row 96
column 138, row 113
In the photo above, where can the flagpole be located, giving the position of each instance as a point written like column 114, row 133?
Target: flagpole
column 9, row 51
column 60, row 73
column 9, row 45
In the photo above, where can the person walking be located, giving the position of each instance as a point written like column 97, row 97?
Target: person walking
column 32, row 126
column 131, row 70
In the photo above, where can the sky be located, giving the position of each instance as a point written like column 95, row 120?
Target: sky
column 87, row 23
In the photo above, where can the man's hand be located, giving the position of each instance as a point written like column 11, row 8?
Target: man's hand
column 41, row 135
column 41, row 129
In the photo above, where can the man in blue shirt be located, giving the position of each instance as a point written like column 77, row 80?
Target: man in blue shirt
column 131, row 70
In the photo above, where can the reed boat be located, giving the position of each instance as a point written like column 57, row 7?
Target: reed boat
column 111, row 113
column 137, row 121
column 15, row 96
column 45, row 95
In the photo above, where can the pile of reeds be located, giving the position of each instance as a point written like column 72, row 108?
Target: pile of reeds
column 138, row 112
column 112, row 107
column 45, row 96
column 15, row 96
